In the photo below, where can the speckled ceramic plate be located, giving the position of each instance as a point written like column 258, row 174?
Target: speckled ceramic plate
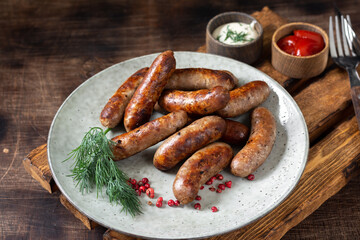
column 245, row 202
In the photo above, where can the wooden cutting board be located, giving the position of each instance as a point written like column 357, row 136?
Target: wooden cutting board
column 334, row 156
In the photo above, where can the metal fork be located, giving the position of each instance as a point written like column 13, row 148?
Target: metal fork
column 352, row 40
column 344, row 57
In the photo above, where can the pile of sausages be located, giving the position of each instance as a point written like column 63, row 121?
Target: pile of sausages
column 198, row 101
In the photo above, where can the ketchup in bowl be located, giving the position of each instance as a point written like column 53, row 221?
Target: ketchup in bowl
column 302, row 43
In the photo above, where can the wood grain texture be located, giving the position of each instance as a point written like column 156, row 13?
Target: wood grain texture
column 325, row 101
column 114, row 235
column 48, row 48
column 36, row 164
column 89, row 224
column 355, row 96
column 331, row 219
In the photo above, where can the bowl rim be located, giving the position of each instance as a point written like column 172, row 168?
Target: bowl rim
column 322, row 33
column 234, row 13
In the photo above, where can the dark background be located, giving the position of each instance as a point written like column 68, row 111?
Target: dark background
column 48, row 48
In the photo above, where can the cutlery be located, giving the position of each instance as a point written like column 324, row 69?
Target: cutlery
column 344, row 57
column 352, row 40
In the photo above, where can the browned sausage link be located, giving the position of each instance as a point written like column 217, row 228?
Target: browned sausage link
column 159, row 109
column 141, row 105
column 259, row 145
column 113, row 111
column 146, row 135
column 200, row 102
column 245, row 98
column 236, row 133
column 188, row 140
column 200, row 78
column 201, row 166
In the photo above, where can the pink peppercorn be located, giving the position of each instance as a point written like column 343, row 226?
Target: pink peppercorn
column 197, row 206
column 251, row 177
column 214, row 209
column 171, row 203
column 228, row 184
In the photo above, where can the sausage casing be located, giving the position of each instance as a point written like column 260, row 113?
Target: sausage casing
column 113, row 111
column 200, row 78
column 141, row 105
column 200, row 102
column 199, row 168
column 245, row 98
column 185, row 142
column 149, row 134
column 236, row 133
column 259, row 145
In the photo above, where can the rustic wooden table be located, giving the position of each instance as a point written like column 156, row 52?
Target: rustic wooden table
column 48, row 48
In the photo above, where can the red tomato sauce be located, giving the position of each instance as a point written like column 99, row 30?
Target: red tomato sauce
column 302, row 43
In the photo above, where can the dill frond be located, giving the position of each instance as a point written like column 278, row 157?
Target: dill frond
column 94, row 166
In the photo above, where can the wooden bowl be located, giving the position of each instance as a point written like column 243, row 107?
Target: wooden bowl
column 248, row 52
column 297, row 66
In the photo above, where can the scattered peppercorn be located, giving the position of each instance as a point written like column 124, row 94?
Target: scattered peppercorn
column 251, row 177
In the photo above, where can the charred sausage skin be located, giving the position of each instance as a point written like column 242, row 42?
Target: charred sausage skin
column 149, row 134
column 259, row 145
column 141, row 105
column 185, row 142
column 200, row 102
column 200, row 167
column 236, row 133
column 181, row 79
column 112, row 113
column 245, row 98
column 200, row 78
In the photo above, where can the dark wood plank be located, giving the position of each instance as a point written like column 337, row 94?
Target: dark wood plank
column 113, row 235
column 333, row 220
column 89, row 224
column 355, row 96
column 36, row 164
column 48, row 48
column 324, row 102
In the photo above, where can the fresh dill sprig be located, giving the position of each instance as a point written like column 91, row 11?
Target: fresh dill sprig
column 235, row 36
column 94, row 166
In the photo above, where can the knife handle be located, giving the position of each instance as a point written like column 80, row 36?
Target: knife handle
column 355, row 95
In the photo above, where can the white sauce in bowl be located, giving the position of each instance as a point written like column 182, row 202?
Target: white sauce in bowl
column 236, row 33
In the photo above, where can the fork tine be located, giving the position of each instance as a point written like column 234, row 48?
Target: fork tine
column 352, row 33
column 332, row 40
column 338, row 40
column 344, row 34
column 349, row 35
column 348, row 19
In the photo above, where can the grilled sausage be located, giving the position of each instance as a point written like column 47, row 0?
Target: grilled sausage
column 113, row 111
column 185, row 79
column 236, row 133
column 245, row 98
column 159, row 109
column 149, row 134
column 200, row 78
column 188, row 140
column 259, row 145
column 141, row 105
column 199, row 168
column 200, row 102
